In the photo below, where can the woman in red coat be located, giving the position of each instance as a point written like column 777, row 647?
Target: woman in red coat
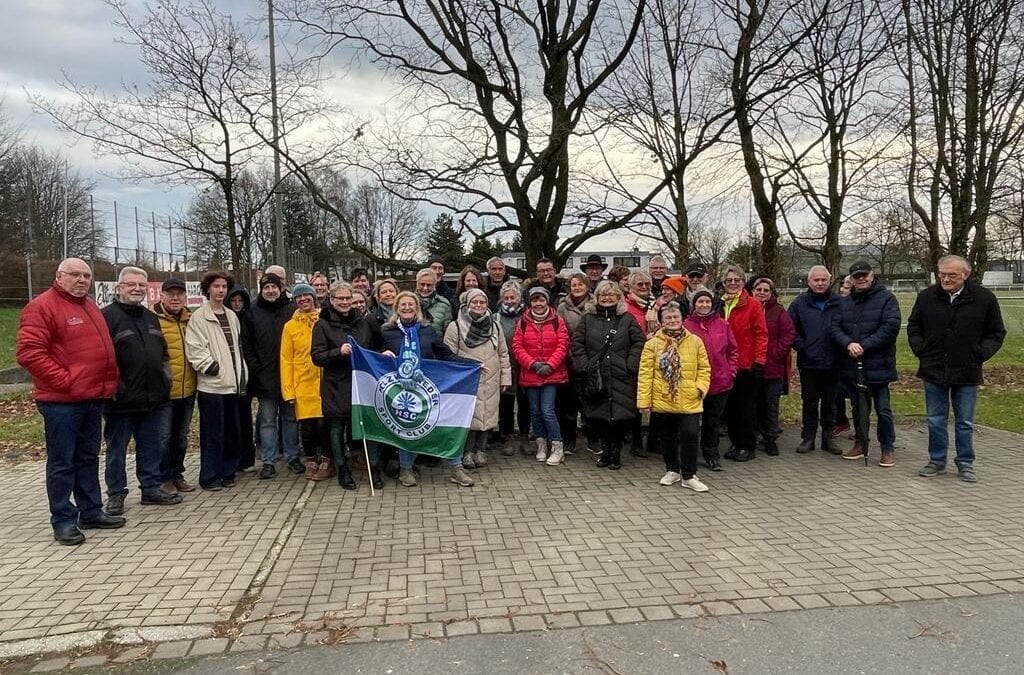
column 775, row 383
column 540, row 344
column 746, row 318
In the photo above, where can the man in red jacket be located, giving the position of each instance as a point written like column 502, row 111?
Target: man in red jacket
column 63, row 342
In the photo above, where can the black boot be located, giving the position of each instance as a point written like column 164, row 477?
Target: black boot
column 345, row 479
column 828, row 444
column 745, row 455
column 375, row 478
column 771, row 448
column 616, row 462
column 606, row 454
column 807, row 445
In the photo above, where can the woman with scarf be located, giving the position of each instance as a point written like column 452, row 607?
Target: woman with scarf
column 514, row 407
column 746, row 317
column 720, row 345
column 775, row 382
column 475, row 334
column 331, row 351
column 571, row 310
column 674, row 378
column 609, row 341
column 540, row 343
column 411, row 337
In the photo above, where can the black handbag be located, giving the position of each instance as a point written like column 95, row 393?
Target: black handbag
column 595, row 387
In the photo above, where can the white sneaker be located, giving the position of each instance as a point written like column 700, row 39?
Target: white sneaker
column 669, row 478
column 557, row 453
column 542, row 449
column 694, row 484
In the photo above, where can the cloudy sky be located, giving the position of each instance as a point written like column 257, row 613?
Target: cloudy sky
column 44, row 38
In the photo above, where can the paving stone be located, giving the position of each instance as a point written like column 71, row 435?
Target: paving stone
column 631, row 615
column 391, row 633
column 457, row 628
column 206, row 647
column 133, row 654
column 432, row 629
column 751, row 606
column 495, row 625
column 285, row 640
column 870, row 597
column 899, row 594
column 93, row 661
column 249, row 643
column 928, row 592
column 657, row 613
column 172, row 650
column 51, row 665
column 782, row 604
column 593, row 618
column 565, row 620
column 528, row 623
column 811, row 601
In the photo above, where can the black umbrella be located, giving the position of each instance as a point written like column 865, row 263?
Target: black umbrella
column 863, row 398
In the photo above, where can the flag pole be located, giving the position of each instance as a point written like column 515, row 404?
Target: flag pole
column 366, row 454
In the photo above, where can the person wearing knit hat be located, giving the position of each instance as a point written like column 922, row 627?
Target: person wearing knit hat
column 476, row 334
column 302, row 289
column 720, row 344
column 271, row 278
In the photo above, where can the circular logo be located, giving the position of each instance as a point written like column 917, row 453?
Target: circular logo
column 409, row 413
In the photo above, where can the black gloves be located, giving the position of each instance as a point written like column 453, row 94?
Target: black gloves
column 213, row 369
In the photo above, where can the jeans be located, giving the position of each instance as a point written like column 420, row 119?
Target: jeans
column 174, row 437
column 680, row 438
column 542, row 412
column 937, row 399
column 72, row 433
column 147, row 430
column 878, row 395
column 218, row 438
column 271, row 411
column 710, row 420
column 817, row 393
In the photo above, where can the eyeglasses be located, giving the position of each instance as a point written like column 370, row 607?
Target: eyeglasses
column 642, row 283
column 341, row 297
column 732, row 280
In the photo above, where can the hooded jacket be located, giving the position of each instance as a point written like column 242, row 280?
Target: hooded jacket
column 244, row 294
column 331, row 332
column 65, row 345
column 720, row 346
column 694, row 375
column 619, row 366
column 547, row 341
column 871, row 318
column 205, row 343
column 183, row 375
column 300, row 377
column 812, row 324
column 751, row 331
column 262, row 327
column 142, row 360
column 953, row 340
column 780, row 339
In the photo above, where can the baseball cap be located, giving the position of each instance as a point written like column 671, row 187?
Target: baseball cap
column 860, row 267
column 696, row 267
column 172, row 283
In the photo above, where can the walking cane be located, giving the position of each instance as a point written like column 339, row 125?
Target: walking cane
column 863, row 414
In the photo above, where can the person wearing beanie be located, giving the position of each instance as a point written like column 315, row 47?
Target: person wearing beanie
column 436, row 264
column 720, row 345
column 262, row 327
column 812, row 312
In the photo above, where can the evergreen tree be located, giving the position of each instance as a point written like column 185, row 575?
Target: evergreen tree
column 445, row 240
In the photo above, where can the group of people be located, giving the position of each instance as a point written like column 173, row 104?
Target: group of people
column 605, row 347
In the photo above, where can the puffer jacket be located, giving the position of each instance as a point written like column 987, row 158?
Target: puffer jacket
column 331, row 332
column 720, row 345
column 813, row 325
column 952, row 340
column 652, row 390
column 493, row 355
column 183, row 375
column 300, row 377
column 780, row 340
column 64, row 344
column 748, row 325
column 145, row 372
column 620, row 365
column 548, row 342
column 262, row 327
column 438, row 310
column 205, row 343
column 871, row 318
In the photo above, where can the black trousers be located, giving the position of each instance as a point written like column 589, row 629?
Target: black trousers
column 680, row 438
column 741, row 411
column 609, row 432
column 710, row 420
column 842, row 394
column 316, row 437
column 567, row 409
column 246, row 433
column 817, row 401
column 768, row 394
column 514, row 412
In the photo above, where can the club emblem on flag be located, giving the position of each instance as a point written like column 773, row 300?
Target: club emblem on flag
column 408, row 412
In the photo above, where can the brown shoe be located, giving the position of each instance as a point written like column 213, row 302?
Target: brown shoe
column 169, row 487
column 182, row 485
column 311, row 466
column 887, row 459
column 325, row 470
column 856, row 452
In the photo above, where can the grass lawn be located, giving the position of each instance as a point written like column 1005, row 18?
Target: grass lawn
column 8, row 333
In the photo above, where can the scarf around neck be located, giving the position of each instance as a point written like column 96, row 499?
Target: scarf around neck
column 668, row 360
column 475, row 329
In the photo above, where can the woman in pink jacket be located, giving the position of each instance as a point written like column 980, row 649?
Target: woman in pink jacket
column 775, row 383
column 720, row 343
column 540, row 344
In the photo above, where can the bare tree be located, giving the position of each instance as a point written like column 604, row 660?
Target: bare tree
column 963, row 61
column 387, row 223
column 711, row 244
column 498, row 90
column 889, row 236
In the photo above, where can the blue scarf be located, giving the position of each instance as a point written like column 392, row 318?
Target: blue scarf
column 409, row 356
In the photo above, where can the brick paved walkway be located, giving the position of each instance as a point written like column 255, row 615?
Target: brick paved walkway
column 530, row 547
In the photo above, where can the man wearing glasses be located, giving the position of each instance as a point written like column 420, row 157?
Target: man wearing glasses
column 143, row 395
column 658, row 269
column 954, row 328
column 865, row 329
column 63, row 342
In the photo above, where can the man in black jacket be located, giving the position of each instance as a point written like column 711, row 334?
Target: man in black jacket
column 261, row 329
column 955, row 327
column 497, row 275
column 143, row 395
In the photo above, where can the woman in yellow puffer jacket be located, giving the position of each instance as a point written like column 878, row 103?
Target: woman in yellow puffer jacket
column 300, row 383
column 674, row 376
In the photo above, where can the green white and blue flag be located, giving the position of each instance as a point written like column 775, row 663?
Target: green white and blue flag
column 427, row 413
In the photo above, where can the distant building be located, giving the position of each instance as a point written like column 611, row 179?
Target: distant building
column 634, row 259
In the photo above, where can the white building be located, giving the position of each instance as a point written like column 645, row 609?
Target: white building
column 634, row 259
